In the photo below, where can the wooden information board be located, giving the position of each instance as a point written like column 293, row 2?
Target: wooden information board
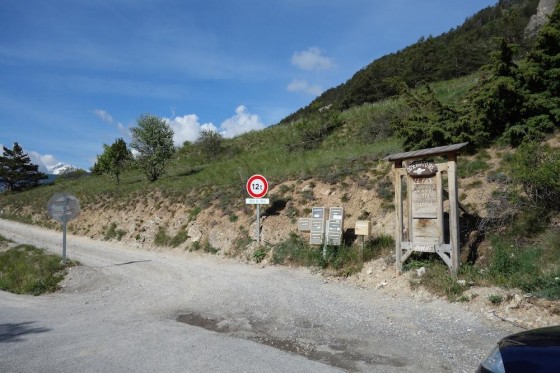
column 422, row 225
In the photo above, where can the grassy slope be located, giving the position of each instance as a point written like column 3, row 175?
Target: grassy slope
column 340, row 159
column 343, row 160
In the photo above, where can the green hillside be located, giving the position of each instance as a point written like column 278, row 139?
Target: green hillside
column 459, row 52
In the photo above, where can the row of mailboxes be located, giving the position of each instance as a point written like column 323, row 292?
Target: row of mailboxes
column 329, row 230
column 326, row 213
column 320, row 230
column 319, row 225
column 325, row 225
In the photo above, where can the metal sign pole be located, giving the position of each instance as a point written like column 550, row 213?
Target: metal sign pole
column 64, row 222
column 363, row 239
column 258, row 224
column 64, row 241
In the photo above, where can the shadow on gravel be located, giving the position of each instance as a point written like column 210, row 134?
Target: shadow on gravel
column 127, row 263
column 14, row 332
column 336, row 354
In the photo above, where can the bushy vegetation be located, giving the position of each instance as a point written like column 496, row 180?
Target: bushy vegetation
column 25, row 269
column 113, row 232
column 532, row 266
column 162, row 238
column 535, row 167
column 341, row 260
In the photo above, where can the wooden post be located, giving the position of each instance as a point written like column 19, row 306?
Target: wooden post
column 453, row 212
column 399, row 216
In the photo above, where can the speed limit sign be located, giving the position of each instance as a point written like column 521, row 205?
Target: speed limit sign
column 257, row 186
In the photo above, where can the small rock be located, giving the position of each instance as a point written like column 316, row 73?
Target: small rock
column 421, row 271
column 462, row 282
column 381, row 285
column 369, row 271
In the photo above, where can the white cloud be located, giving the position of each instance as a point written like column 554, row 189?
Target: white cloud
column 108, row 118
column 187, row 128
column 312, row 60
column 241, row 122
column 104, row 116
column 298, row 85
column 44, row 162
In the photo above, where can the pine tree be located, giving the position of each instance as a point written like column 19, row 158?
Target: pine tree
column 495, row 103
column 540, row 79
column 16, row 170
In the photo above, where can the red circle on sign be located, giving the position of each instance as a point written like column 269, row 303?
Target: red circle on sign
column 257, row 186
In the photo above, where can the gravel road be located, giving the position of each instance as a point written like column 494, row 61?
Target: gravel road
column 126, row 309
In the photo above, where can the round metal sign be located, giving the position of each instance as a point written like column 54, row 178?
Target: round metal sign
column 257, row 186
column 63, row 207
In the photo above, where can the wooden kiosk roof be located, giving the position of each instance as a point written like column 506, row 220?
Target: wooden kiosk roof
column 440, row 150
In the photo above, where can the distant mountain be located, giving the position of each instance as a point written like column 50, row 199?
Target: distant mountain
column 60, row 168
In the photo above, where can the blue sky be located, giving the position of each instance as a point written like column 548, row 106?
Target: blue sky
column 75, row 75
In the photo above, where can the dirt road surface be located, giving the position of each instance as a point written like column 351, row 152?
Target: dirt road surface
column 131, row 310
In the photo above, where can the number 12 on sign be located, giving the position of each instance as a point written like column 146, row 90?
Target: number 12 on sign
column 257, row 186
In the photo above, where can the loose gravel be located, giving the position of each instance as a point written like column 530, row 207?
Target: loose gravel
column 288, row 319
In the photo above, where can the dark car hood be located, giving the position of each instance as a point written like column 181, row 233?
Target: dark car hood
column 542, row 337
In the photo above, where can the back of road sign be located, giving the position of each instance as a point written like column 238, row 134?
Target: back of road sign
column 63, row 207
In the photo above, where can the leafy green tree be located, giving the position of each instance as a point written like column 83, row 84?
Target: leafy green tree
column 210, row 143
column 16, row 170
column 113, row 160
column 153, row 140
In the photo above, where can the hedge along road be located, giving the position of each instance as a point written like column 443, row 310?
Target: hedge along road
column 126, row 309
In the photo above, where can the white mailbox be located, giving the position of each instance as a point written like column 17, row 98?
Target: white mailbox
column 334, row 239
column 334, row 226
column 317, row 226
column 336, row 213
column 318, row 213
column 363, row 228
column 316, row 239
column 304, row 225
